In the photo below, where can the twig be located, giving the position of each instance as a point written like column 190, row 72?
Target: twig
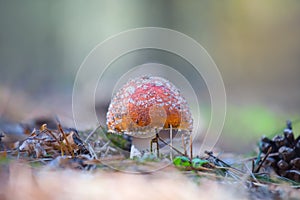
column 109, row 149
column 47, row 131
column 255, row 157
column 233, row 175
column 203, row 169
column 92, row 151
column 91, row 133
column 210, row 153
column 213, row 175
column 69, row 147
column 42, row 160
column 230, row 168
column 104, row 147
column 171, row 142
column 191, row 146
column 170, row 145
column 183, row 144
column 251, row 174
column 261, row 163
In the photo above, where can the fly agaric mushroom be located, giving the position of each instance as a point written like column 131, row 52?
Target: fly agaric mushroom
column 143, row 107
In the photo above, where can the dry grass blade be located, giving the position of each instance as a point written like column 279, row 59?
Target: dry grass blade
column 62, row 146
column 255, row 157
column 170, row 146
column 92, row 151
column 221, row 162
column 91, row 133
column 251, row 174
column 69, row 147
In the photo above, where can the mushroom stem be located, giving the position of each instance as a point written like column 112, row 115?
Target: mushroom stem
column 191, row 145
column 140, row 146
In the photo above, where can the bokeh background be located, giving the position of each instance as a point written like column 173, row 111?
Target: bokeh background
column 255, row 44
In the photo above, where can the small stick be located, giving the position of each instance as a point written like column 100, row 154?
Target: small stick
column 183, row 144
column 171, row 142
column 69, row 147
column 157, row 147
column 262, row 162
column 151, row 143
column 91, row 133
column 51, row 134
column 210, row 153
column 191, row 145
column 251, row 174
column 61, row 145
column 155, row 140
column 255, row 157
column 59, row 142
column 170, row 146
column 92, row 151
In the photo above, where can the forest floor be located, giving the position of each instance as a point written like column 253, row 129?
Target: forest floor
column 44, row 160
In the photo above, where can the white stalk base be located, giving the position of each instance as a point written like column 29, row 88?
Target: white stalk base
column 140, row 146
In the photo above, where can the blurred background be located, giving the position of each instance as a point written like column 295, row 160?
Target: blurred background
column 255, row 44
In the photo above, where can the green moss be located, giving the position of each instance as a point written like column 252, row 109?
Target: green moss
column 251, row 122
column 182, row 162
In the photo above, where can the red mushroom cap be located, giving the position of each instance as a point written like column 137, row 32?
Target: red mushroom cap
column 147, row 103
